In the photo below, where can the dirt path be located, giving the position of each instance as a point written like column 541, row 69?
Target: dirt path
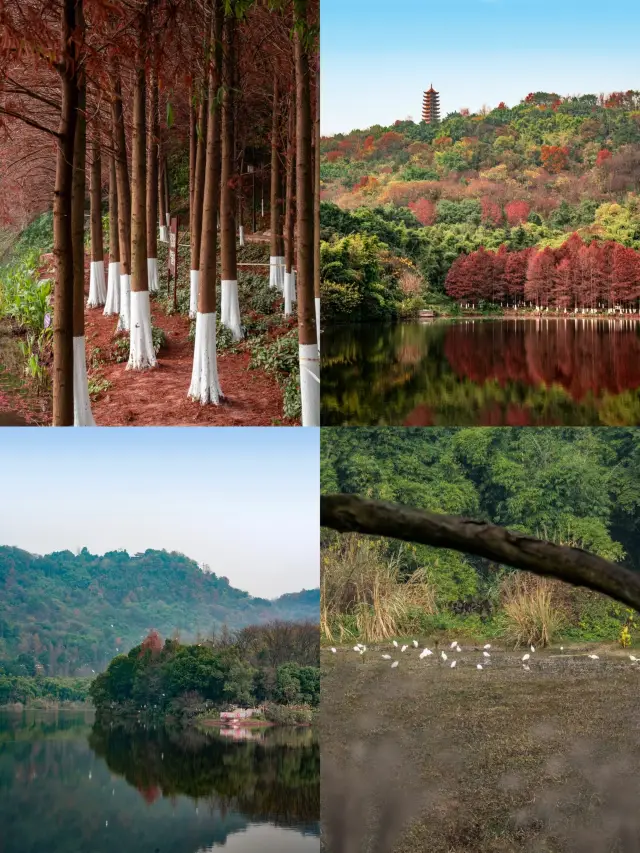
column 492, row 761
column 159, row 397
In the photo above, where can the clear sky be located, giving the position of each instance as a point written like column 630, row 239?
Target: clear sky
column 243, row 500
column 379, row 56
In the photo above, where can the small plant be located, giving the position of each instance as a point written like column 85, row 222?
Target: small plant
column 98, row 385
column 122, row 343
column 625, row 637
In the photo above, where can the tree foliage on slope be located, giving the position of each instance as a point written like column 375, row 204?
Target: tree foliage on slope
column 69, row 611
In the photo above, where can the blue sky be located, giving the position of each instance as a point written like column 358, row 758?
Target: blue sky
column 379, row 56
column 245, row 501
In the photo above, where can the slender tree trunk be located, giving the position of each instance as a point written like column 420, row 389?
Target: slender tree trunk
column 152, row 183
column 205, row 385
column 112, row 304
column 275, row 260
column 97, row 289
column 141, row 352
column 162, row 200
column 316, row 204
column 229, row 307
column 124, row 206
column 167, row 190
column 62, row 242
column 81, row 403
column 196, row 210
column 289, row 220
column 309, row 360
column 193, row 146
column 77, row 205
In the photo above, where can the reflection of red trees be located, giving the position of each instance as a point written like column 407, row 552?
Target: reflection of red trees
column 573, row 276
column 582, row 356
column 421, row 416
column 150, row 794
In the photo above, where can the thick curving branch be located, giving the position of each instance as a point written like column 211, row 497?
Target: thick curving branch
column 350, row 513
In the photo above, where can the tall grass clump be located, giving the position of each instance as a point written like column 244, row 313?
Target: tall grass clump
column 534, row 609
column 363, row 594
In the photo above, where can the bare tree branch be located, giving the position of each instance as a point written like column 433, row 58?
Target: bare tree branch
column 350, row 513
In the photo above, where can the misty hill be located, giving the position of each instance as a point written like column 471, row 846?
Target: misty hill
column 68, row 611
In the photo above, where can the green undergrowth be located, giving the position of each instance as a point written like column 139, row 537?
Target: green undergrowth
column 26, row 299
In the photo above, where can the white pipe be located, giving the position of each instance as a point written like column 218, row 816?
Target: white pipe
column 280, row 268
column 241, row 235
column 194, row 282
column 141, row 353
column 81, row 403
column 164, row 234
column 230, row 308
column 205, row 385
column 124, row 320
column 310, row 384
column 112, row 304
column 152, row 274
column 273, row 271
column 97, row 289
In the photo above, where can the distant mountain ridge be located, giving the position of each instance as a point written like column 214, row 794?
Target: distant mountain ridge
column 71, row 612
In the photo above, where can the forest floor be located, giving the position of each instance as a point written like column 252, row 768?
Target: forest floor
column 157, row 397
column 492, row 761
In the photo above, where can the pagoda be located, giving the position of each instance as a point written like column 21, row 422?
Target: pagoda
column 431, row 106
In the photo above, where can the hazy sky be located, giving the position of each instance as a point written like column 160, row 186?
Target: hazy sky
column 245, row 501
column 378, row 57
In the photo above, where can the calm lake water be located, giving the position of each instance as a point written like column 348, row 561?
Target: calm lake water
column 69, row 786
column 508, row 372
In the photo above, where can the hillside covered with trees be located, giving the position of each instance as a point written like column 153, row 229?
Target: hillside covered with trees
column 533, row 206
column 575, row 487
column 277, row 663
column 66, row 613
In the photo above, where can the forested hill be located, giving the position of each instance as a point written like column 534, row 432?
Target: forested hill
column 68, row 611
column 526, row 176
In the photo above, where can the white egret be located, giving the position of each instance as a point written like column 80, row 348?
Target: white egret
column 333, row 650
column 404, row 648
column 593, row 657
column 453, row 663
column 425, row 653
column 533, row 648
column 454, row 644
column 488, row 646
column 394, row 664
column 443, row 656
column 526, row 657
column 386, row 657
column 395, row 644
column 486, row 654
column 526, row 666
column 478, row 666
column 415, row 644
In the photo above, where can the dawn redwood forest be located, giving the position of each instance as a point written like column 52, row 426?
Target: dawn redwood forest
column 116, row 119
column 526, row 207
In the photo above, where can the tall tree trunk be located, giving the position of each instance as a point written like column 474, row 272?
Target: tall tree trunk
column 205, row 385
column 81, row 404
column 289, row 220
column 309, row 360
column 97, row 289
column 229, row 305
column 162, row 200
column 124, row 206
column 62, row 242
column 196, row 210
column 152, row 183
column 276, row 262
column 316, row 204
column 112, row 305
column 193, row 146
column 141, row 352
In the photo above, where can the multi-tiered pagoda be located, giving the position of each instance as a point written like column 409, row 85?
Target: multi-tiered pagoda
column 431, row 106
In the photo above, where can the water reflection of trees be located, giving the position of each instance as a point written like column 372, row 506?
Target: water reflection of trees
column 274, row 780
column 511, row 372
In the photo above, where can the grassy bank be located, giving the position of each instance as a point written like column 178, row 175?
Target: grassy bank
column 368, row 597
column 490, row 761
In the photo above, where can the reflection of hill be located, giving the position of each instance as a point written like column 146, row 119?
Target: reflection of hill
column 510, row 372
column 60, row 796
column 265, row 781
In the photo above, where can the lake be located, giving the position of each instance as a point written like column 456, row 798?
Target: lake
column 69, row 786
column 483, row 372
